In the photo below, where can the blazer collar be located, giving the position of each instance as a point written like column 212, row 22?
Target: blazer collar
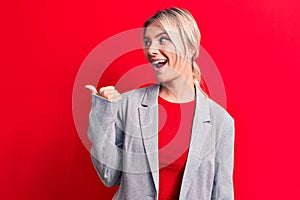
column 150, row 98
column 199, row 137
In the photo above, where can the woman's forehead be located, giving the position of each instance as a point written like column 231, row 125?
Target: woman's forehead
column 155, row 28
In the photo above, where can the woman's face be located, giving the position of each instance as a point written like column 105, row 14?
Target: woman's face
column 166, row 55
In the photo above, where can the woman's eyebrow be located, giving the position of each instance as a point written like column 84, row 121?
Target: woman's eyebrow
column 162, row 33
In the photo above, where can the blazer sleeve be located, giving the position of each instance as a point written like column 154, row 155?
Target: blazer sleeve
column 107, row 138
column 223, row 183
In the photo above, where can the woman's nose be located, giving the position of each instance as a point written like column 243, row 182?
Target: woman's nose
column 153, row 50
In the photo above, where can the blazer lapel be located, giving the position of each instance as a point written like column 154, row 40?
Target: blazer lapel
column 200, row 139
column 148, row 116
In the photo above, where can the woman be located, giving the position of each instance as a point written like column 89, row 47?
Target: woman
column 186, row 155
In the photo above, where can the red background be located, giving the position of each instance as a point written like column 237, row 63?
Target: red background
column 255, row 45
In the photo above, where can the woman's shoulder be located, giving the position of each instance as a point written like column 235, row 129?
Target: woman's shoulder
column 139, row 91
column 138, row 94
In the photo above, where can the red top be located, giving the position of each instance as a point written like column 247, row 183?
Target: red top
column 175, row 123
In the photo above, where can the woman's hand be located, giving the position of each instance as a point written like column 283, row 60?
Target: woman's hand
column 108, row 92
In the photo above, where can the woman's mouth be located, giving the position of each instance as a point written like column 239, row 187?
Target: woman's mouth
column 159, row 63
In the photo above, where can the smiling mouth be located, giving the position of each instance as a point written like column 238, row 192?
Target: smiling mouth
column 159, row 63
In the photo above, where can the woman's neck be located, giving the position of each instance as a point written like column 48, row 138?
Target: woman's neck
column 180, row 90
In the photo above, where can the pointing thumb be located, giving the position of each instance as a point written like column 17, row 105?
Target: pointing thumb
column 91, row 88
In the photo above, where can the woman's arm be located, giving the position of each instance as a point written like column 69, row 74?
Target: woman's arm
column 223, row 184
column 107, row 138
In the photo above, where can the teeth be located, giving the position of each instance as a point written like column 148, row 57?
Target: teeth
column 158, row 61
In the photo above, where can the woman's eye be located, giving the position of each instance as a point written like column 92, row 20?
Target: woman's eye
column 147, row 43
column 163, row 40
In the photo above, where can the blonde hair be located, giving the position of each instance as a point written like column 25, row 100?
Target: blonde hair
column 187, row 27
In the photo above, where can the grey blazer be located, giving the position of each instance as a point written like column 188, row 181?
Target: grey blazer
column 125, row 147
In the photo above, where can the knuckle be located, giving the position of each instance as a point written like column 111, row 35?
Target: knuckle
column 109, row 96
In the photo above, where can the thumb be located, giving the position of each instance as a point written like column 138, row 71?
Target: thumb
column 91, row 88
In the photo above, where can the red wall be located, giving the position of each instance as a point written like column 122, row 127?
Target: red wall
column 254, row 44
